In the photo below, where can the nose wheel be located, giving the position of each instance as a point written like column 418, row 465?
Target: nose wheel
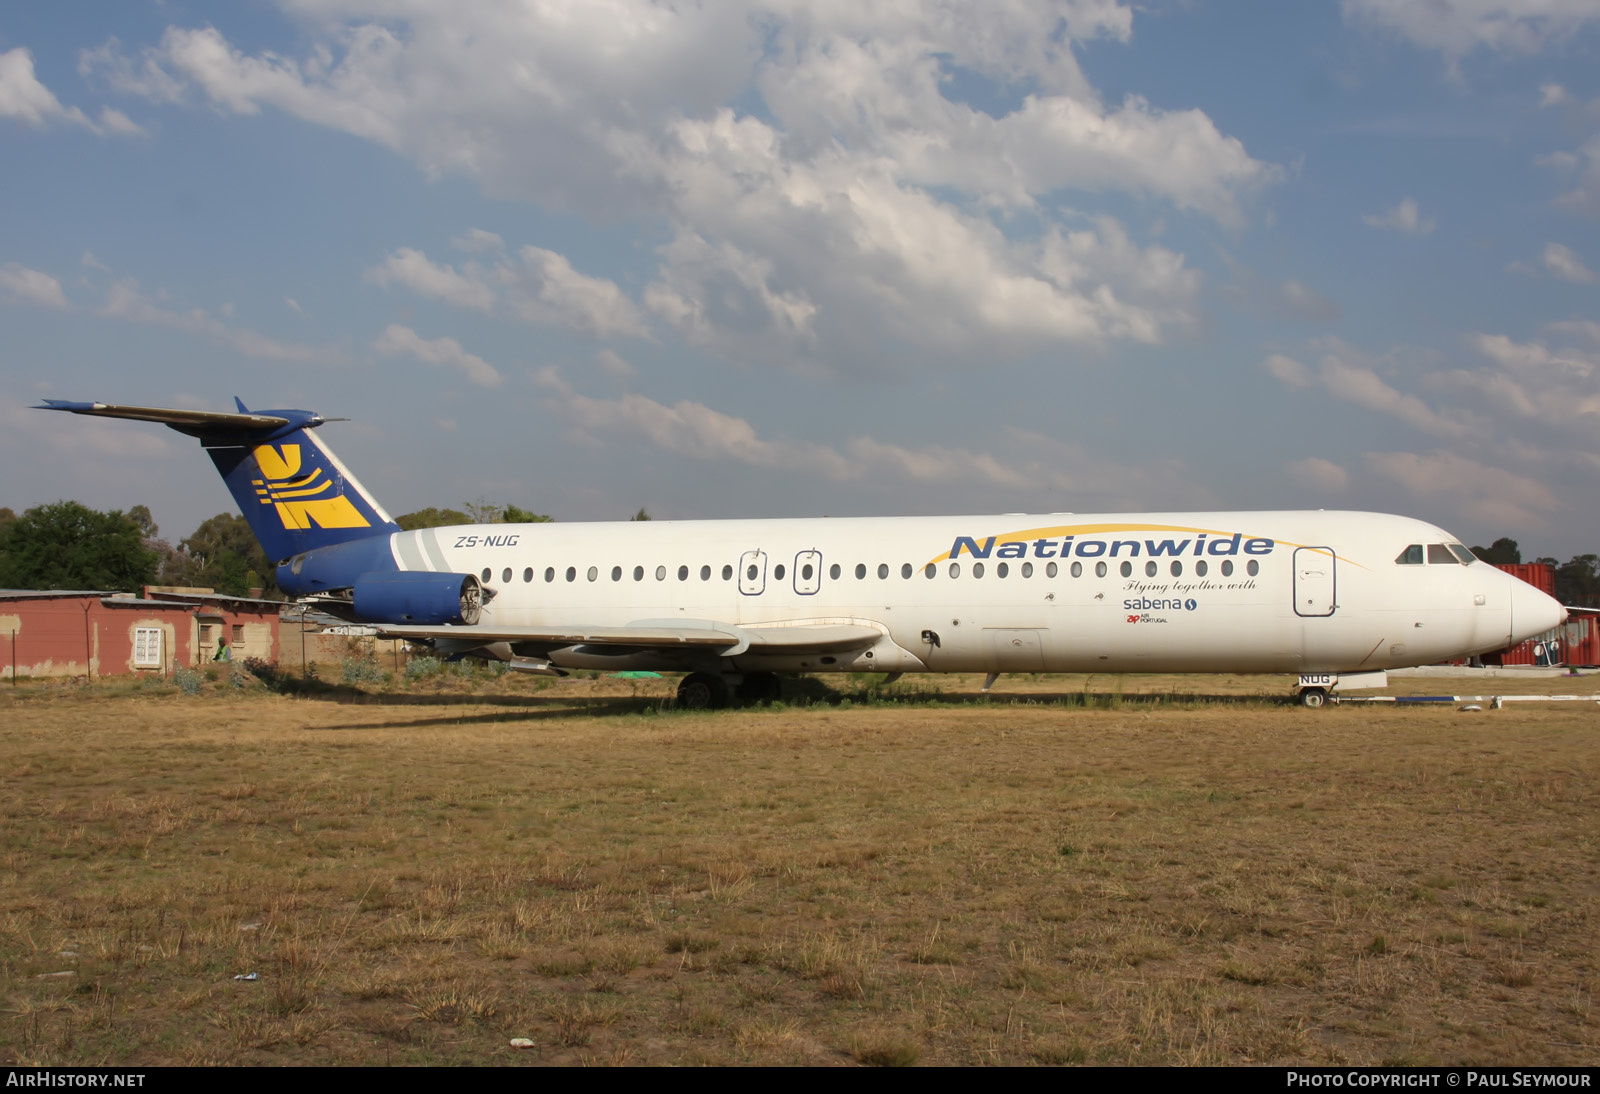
column 1314, row 697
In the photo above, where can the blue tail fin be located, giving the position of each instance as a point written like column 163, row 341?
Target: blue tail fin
column 293, row 491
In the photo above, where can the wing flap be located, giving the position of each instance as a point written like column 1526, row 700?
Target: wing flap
column 801, row 638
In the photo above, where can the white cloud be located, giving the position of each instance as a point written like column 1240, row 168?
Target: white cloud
column 125, row 301
column 1457, row 27
column 31, row 286
column 1490, row 495
column 1033, row 464
column 1563, row 262
column 477, row 240
column 396, row 340
column 863, row 207
column 1405, row 218
column 1553, row 95
column 1347, row 374
column 1306, row 303
column 1315, row 473
column 411, row 269
column 614, row 366
column 27, row 100
column 546, row 289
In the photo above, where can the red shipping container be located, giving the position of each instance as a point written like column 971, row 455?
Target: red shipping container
column 1541, row 576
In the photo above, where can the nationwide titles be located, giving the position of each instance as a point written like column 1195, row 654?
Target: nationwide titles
column 1203, row 544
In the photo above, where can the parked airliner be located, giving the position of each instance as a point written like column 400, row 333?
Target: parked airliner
column 1327, row 595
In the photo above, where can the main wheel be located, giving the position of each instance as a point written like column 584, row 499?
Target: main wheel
column 702, row 691
column 1313, row 697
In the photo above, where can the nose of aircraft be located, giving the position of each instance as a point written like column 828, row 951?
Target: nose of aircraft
column 1532, row 612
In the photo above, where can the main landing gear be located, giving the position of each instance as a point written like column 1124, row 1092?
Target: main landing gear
column 711, row 691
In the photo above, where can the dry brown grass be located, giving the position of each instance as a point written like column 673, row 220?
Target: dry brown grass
column 1143, row 871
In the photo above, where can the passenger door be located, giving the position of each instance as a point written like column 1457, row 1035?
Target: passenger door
column 808, row 572
column 1315, row 582
column 753, row 573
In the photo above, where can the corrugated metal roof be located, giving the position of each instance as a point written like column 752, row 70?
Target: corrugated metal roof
column 53, row 594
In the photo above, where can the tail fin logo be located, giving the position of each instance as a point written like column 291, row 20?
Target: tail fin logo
column 303, row 501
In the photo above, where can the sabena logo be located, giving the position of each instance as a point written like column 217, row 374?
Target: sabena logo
column 304, row 502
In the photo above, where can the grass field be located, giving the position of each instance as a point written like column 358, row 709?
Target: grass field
column 1107, row 871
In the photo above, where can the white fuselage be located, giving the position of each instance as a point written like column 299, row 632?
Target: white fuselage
column 1253, row 592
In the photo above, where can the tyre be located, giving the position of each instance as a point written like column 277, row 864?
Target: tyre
column 702, row 691
column 1313, row 697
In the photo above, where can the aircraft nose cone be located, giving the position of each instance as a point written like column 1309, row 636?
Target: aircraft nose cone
column 1532, row 612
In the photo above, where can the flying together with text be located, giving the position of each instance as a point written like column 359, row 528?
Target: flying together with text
column 733, row 603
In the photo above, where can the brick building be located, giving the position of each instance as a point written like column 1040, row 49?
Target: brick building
column 99, row 633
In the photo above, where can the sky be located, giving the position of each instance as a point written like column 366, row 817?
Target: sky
column 782, row 258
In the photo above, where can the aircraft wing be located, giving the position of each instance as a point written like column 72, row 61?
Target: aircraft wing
column 727, row 639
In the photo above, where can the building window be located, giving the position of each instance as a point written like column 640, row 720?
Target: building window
column 147, row 648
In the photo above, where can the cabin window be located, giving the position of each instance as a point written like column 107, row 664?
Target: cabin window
column 861, row 570
column 833, row 571
column 683, row 573
column 1127, row 569
column 638, row 573
column 727, row 572
column 705, row 573
column 505, row 576
column 1027, row 569
column 955, row 569
column 1100, row 569
column 1411, row 556
column 1252, row 567
column 883, row 570
column 1466, row 557
column 778, row 571
column 1050, row 569
column 549, row 573
column 572, row 573
column 906, row 570
column 616, row 573
column 929, row 570
column 1439, row 555
column 527, row 575
column 806, row 571
column 1227, row 567
column 1001, row 570
column 1150, row 568
column 751, row 573
column 1200, row 568
column 1177, row 569
column 977, row 569
column 661, row 573
column 594, row 572
column 487, row 573
column 1077, row 569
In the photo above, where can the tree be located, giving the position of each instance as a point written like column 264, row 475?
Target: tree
column 431, row 518
column 224, row 555
column 641, row 515
column 70, row 546
column 1578, row 581
column 1502, row 552
column 514, row 515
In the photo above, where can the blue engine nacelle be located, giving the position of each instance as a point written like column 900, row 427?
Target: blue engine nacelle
column 417, row 596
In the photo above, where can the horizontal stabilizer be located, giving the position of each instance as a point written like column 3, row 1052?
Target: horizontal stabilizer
column 192, row 418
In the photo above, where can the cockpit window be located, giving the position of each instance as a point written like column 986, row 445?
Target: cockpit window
column 1467, row 557
column 1439, row 555
column 1411, row 556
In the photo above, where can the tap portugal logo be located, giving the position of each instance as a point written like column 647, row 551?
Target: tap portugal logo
column 306, row 501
